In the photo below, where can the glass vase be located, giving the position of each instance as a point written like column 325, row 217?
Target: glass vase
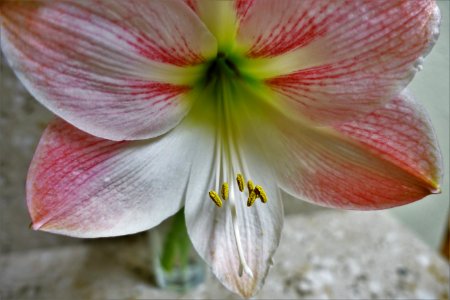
column 175, row 263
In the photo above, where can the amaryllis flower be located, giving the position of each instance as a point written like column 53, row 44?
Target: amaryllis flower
column 215, row 106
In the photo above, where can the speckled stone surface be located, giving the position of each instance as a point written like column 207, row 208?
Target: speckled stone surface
column 22, row 120
column 328, row 255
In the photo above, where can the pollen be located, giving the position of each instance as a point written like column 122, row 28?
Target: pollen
column 225, row 191
column 215, row 198
column 261, row 193
column 240, row 182
column 251, row 198
column 250, row 186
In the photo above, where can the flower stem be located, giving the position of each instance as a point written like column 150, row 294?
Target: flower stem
column 176, row 247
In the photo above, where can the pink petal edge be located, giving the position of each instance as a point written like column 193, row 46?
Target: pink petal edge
column 387, row 158
column 80, row 185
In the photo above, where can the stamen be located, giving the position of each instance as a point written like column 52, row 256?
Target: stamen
column 251, row 198
column 261, row 193
column 240, row 182
column 215, row 198
column 250, row 186
column 225, row 191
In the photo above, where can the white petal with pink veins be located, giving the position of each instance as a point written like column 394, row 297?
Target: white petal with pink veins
column 116, row 69
column 387, row 158
column 334, row 60
column 84, row 186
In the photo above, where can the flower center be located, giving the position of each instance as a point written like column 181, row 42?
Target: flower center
column 219, row 68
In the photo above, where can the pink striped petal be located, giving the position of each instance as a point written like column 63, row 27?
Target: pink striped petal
column 387, row 158
column 339, row 59
column 84, row 186
column 116, row 69
column 402, row 133
column 211, row 228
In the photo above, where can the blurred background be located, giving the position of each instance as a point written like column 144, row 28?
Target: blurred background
column 429, row 218
column 22, row 121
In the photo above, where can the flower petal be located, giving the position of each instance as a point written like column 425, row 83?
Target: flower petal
column 211, row 228
column 388, row 158
column 334, row 60
column 84, row 186
column 220, row 18
column 402, row 133
column 116, row 69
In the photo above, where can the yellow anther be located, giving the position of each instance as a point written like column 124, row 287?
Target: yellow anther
column 225, row 190
column 240, row 182
column 250, row 186
column 215, row 198
column 251, row 198
column 261, row 193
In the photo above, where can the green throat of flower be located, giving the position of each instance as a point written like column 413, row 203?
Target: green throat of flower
column 221, row 68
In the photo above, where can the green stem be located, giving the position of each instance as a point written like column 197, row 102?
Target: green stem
column 176, row 244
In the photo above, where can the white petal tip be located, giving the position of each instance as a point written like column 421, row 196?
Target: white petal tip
column 36, row 226
column 437, row 190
